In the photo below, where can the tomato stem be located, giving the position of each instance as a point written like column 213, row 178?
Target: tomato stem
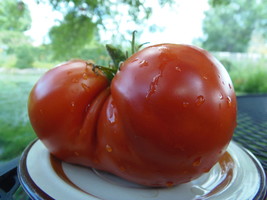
column 118, row 57
column 133, row 42
column 108, row 71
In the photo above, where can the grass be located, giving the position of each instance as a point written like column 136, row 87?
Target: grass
column 248, row 75
column 15, row 130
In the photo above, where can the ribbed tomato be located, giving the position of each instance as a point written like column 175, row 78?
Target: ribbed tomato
column 167, row 116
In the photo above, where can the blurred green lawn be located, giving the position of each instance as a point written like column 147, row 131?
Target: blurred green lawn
column 15, row 130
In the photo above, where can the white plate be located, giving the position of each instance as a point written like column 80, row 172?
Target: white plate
column 237, row 176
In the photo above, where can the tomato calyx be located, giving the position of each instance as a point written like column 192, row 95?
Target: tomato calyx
column 118, row 57
column 108, row 71
column 134, row 47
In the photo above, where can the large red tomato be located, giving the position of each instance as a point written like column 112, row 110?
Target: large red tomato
column 165, row 119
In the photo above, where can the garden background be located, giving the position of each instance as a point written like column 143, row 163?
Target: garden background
column 234, row 31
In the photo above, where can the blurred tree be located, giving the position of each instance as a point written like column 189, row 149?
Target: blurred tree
column 14, row 20
column 15, row 16
column 83, row 19
column 72, row 35
column 10, row 40
column 25, row 56
column 229, row 24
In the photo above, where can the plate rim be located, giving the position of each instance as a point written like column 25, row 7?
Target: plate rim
column 29, row 186
column 35, row 192
column 262, row 193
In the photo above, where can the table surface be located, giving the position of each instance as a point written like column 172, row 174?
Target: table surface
column 251, row 133
column 251, row 130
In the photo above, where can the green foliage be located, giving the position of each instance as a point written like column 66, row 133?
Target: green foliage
column 10, row 40
column 20, row 194
column 25, row 57
column 7, row 61
column 15, row 131
column 256, row 81
column 248, row 75
column 96, row 53
column 14, row 16
column 83, row 19
column 71, row 36
column 214, row 3
column 16, row 48
column 14, row 19
column 102, row 9
column 228, row 25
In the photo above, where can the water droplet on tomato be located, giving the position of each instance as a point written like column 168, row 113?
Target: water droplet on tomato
column 169, row 183
column 111, row 114
column 85, row 76
column 230, row 86
column 204, row 77
column 85, row 87
column 108, row 148
column 200, row 100
column 136, row 59
column 221, row 96
column 178, row 69
column 87, row 108
column 153, row 86
column 197, row 162
column 185, row 104
column 229, row 101
column 162, row 48
column 112, row 118
column 72, row 106
column 143, row 63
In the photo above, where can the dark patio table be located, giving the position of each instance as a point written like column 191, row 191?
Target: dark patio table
column 251, row 133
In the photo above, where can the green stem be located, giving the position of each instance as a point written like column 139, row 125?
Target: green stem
column 117, row 57
column 109, row 72
column 133, row 42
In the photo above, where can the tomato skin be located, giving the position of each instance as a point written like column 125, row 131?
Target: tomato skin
column 58, row 105
column 177, row 107
column 166, row 118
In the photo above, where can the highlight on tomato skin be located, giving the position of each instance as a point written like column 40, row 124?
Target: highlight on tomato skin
column 165, row 118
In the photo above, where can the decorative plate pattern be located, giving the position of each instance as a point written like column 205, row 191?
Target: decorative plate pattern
column 238, row 176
